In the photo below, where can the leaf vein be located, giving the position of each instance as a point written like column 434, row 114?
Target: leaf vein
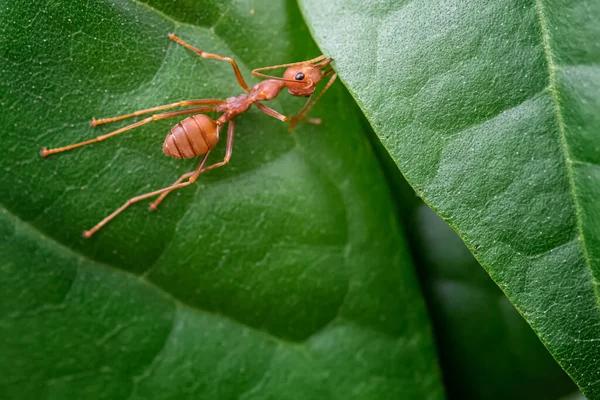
column 146, row 372
column 561, row 128
column 159, row 290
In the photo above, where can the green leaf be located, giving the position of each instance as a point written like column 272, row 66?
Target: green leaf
column 282, row 275
column 490, row 110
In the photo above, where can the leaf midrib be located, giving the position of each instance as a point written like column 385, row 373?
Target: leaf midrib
column 553, row 88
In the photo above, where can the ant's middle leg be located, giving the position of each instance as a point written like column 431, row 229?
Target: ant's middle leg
column 204, row 54
column 305, row 109
column 192, row 178
column 183, row 177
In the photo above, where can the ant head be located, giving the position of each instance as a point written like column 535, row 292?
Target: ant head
column 301, row 80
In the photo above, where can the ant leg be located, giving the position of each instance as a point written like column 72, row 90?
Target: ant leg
column 204, row 54
column 228, row 152
column 275, row 114
column 302, row 114
column 89, row 233
column 45, row 152
column 192, row 178
column 95, row 122
column 156, row 202
column 324, row 62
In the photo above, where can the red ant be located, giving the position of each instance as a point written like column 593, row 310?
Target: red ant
column 198, row 135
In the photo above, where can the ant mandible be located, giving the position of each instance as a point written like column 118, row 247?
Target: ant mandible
column 198, row 135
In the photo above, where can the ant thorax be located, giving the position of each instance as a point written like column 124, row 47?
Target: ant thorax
column 266, row 90
column 234, row 106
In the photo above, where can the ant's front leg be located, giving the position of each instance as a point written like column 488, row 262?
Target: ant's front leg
column 156, row 117
column 294, row 119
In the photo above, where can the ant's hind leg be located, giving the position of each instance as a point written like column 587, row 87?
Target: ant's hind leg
column 45, row 152
column 89, row 233
column 205, row 102
column 156, row 202
column 228, row 152
column 192, row 178
column 204, row 54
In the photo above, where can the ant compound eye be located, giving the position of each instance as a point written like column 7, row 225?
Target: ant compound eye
column 299, row 76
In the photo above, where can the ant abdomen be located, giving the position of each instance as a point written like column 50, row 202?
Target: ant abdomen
column 191, row 137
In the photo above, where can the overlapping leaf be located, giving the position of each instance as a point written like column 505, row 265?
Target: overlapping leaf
column 490, row 109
